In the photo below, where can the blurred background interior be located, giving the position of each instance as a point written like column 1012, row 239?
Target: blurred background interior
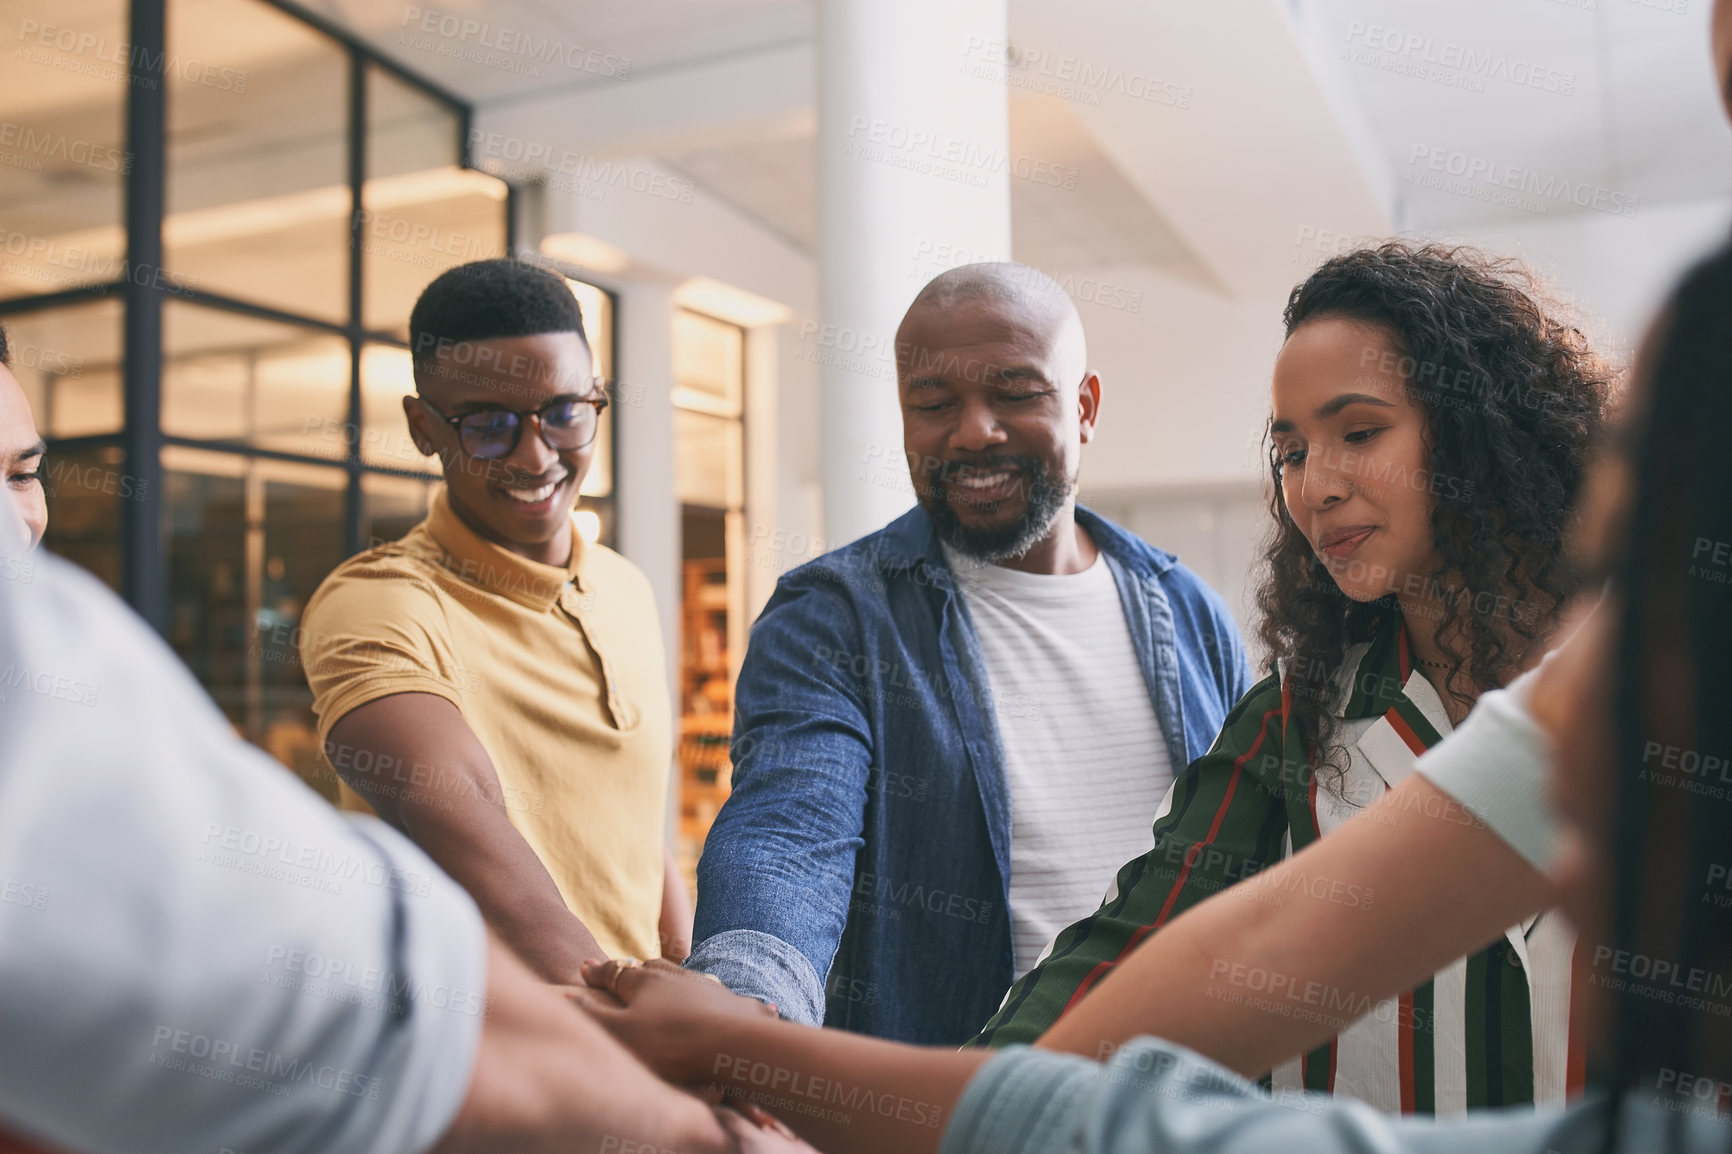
column 208, row 283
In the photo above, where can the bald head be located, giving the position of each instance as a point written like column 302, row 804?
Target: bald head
column 1019, row 297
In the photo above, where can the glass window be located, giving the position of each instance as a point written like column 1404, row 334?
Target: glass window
column 258, row 184
column 68, row 360
column 422, row 212
column 386, row 378
column 709, row 364
column 248, row 541
column 709, row 479
column 233, row 378
column 85, row 490
column 62, row 145
column 708, row 460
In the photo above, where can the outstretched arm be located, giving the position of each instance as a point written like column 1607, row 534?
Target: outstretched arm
column 450, row 803
column 1444, row 886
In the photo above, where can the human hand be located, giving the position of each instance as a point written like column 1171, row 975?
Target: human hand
column 671, row 1018
column 755, row 1131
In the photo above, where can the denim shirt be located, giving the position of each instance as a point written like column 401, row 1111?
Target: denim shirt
column 858, row 874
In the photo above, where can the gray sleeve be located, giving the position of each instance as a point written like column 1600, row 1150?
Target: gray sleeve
column 1158, row 1098
column 1495, row 764
column 196, row 952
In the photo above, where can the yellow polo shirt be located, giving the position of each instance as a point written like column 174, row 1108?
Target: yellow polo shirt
column 559, row 673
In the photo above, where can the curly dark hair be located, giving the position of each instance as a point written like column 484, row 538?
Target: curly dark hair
column 1513, row 399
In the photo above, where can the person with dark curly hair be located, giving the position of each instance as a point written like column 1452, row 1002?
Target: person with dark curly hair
column 1432, row 421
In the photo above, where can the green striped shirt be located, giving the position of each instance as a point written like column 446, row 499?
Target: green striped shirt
column 1465, row 1039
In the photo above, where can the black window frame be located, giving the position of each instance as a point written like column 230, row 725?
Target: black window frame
column 143, row 562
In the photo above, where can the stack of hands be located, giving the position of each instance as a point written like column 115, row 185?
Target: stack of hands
column 678, row 1023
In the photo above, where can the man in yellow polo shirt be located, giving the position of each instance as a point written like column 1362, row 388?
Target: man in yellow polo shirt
column 492, row 684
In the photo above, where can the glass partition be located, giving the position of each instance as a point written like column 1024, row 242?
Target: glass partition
column 68, row 360
column 228, row 377
column 63, row 156
column 248, row 541
column 258, row 176
column 421, row 212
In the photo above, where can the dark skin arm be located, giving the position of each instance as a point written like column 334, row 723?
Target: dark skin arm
column 854, row 1094
column 414, row 759
column 676, row 916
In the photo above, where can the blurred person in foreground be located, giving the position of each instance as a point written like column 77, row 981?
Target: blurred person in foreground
column 951, row 732
column 21, row 450
column 492, row 684
column 1640, row 866
column 198, row 954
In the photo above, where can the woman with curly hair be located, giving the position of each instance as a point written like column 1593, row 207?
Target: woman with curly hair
column 1432, row 421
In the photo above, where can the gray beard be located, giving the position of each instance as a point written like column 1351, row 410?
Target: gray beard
column 1008, row 542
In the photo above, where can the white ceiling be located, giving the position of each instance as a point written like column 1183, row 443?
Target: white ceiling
column 650, row 36
column 1640, row 125
column 1640, row 118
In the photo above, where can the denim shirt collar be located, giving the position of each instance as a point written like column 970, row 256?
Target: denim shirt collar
column 910, row 546
column 912, row 541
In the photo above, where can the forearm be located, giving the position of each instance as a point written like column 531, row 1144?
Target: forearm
column 1366, row 913
column 458, row 819
column 480, row 848
column 844, row 1093
column 547, row 1078
column 676, row 915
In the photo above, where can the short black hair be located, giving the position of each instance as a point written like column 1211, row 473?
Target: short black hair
column 5, row 349
column 489, row 299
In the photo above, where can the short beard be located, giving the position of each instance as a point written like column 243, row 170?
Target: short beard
column 1006, row 543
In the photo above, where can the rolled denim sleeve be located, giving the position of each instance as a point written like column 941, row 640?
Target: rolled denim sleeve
column 777, row 872
column 1155, row 1097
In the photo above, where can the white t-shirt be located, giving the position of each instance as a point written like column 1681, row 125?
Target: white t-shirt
column 1084, row 757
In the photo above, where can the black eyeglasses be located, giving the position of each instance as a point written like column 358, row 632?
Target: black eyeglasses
column 492, row 431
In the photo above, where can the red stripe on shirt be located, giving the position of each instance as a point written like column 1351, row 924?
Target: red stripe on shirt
column 1191, row 856
column 1405, row 732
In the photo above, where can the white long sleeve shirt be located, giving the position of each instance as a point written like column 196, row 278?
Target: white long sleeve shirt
column 196, row 952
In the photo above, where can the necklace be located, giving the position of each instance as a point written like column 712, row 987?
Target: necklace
column 1433, row 664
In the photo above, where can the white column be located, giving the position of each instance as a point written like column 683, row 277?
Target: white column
column 913, row 177
column 647, row 514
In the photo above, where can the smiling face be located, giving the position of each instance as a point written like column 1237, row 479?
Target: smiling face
column 522, row 501
column 996, row 406
column 1353, row 457
column 21, row 457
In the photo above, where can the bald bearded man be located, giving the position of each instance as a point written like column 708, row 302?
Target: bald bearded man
column 21, row 451
column 950, row 732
